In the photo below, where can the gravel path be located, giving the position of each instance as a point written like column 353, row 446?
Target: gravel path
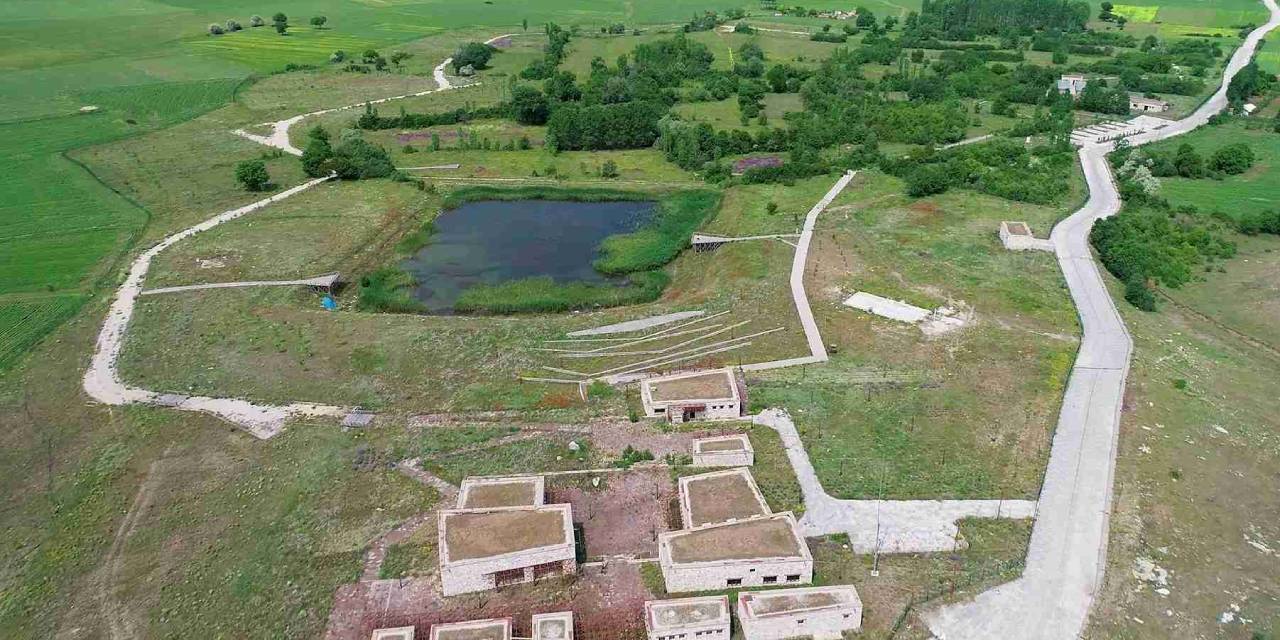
column 279, row 136
column 817, row 350
column 102, row 380
column 1068, row 552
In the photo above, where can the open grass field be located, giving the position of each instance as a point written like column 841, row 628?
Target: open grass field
column 915, row 424
column 1199, row 423
column 1259, row 187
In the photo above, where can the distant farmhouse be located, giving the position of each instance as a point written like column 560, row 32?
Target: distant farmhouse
column 1072, row 83
column 1147, row 105
column 700, row 395
column 503, row 534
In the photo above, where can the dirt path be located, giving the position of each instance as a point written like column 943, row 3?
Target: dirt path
column 102, row 380
column 120, row 622
column 279, row 136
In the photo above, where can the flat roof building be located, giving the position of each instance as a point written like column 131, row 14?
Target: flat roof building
column 482, row 549
column 687, row 618
column 822, row 613
column 1072, row 83
column 699, row 395
column 1017, row 236
column 724, row 451
column 758, row 551
column 495, row 629
column 1147, row 105
column 718, row 497
column 553, row 626
column 501, row 491
column 397, row 633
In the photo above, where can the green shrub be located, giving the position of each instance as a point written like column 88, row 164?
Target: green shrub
column 544, row 295
column 387, row 290
column 252, row 175
column 679, row 215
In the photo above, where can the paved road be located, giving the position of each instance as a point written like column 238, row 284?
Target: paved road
column 1068, row 552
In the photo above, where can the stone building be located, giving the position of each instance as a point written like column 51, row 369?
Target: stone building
column 821, row 613
column 397, row 633
column 1147, row 105
column 1072, row 83
column 724, row 451
column 698, row 395
column 488, row 492
column 482, row 549
column 553, row 626
column 688, row 618
column 1016, row 236
column 495, row 629
column 719, row 497
column 757, row 551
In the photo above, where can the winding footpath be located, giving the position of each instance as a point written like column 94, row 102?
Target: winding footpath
column 102, row 380
column 279, row 136
column 1068, row 552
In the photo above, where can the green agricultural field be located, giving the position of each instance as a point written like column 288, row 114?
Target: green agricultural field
column 23, row 322
column 1259, row 187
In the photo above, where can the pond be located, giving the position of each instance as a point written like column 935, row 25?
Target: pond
column 494, row 241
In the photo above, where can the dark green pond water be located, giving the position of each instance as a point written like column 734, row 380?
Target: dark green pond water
column 492, row 242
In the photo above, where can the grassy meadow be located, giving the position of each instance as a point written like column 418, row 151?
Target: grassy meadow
column 1259, row 187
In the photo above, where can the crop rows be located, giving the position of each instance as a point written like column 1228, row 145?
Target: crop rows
column 23, row 324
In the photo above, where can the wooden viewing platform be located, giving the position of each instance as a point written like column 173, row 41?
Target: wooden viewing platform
column 325, row 283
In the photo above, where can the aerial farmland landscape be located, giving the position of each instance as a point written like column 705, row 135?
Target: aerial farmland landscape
column 617, row 320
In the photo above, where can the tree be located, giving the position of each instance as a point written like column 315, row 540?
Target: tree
column 1060, row 56
column 1188, row 162
column 865, row 19
column 435, row 141
column 281, row 23
column 252, row 175
column 609, row 169
column 216, row 29
column 562, row 87
column 473, row 54
column 524, row 24
column 369, row 56
column 318, row 21
column 529, row 105
column 233, row 25
column 398, row 58
column 928, row 179
column 256, row 21
column 771, row 208
column 1232, row 159
column 338, row 56
column 316, row 155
